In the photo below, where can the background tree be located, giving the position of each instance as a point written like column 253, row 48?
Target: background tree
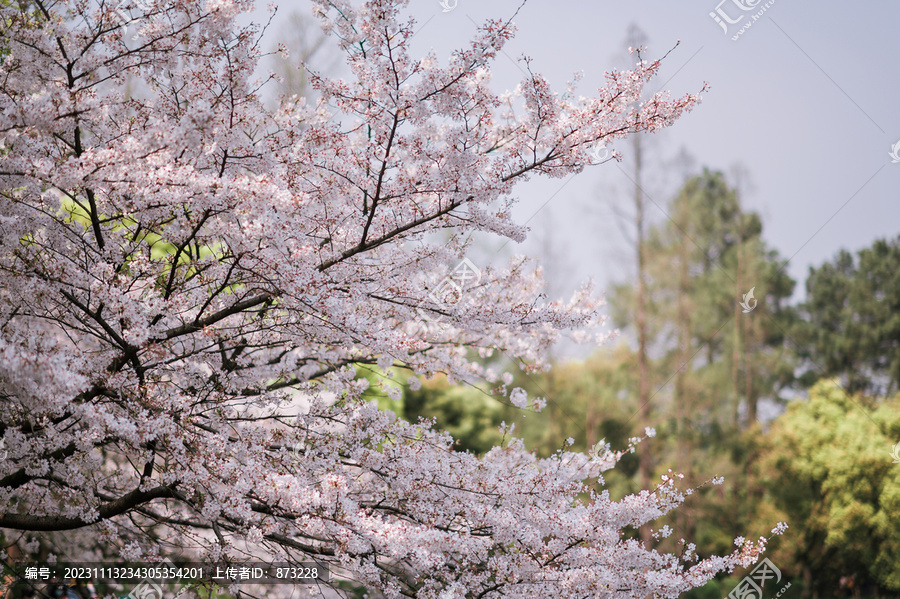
column 851, row 320
column 588, row 402
column 824, row 465
column 470, row 414
column 708, row 363
column 305, row 47
column 827, row 464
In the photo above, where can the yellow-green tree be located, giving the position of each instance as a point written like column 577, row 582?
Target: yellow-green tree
column 827, row 464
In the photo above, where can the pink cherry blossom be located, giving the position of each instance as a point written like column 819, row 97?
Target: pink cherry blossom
column 191, row 282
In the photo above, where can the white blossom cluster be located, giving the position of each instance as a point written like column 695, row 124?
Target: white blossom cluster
column 189, row 280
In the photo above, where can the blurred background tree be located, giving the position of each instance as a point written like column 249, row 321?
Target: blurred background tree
column 826, row 464
column 734, row 394
column 851, row 320
column 308, row 49
column 470, row 414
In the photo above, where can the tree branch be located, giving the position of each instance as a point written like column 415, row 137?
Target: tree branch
column 108, row 510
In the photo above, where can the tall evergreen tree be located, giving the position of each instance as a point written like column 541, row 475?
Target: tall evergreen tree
column 851, row 320
column 712, row 363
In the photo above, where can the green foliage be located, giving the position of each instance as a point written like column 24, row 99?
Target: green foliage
column 827, row 464
column 189, row 257
column 589, row 402
column 469, row 414
column 159, row 247
column 851, row 324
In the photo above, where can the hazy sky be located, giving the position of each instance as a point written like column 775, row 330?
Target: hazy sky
column 806, row 100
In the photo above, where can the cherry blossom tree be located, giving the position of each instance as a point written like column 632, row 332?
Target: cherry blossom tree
column 189, row 281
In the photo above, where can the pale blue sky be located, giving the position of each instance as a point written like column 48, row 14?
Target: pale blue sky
column 806, row 100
